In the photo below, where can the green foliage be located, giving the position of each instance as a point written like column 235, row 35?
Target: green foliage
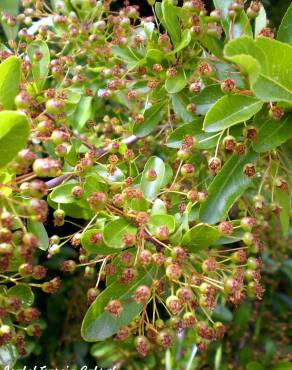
column 227, row 186
column 10, row 79
column 14, row 133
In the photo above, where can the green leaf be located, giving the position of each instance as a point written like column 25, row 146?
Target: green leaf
column 8, row 356
column 102, row 249
column 22, row 292
column 230, row 110
column 222, row 313
column 117, row 176
column 199, row 237
column 244, row 52
column 83, row 112
column 5, row 178
column 171, row 21
column 260, row 21
column 227, row 186
column 73, row 210
column 10, row 7
column 254, row 366
column 235, row 237
column 158, row 220
column 9, row 81
column 270, row 80
column 151, row 188
column 285, row 29
column 207, row 98
column 283, row 366
column 40, row 68
column 185, row 40
column 140, row 205
column 154, row 56
column 152, row 117
column 241, row 319
column 203, row 140
column 98, row 325
column 212, row 44
column 241, row 24
column 40, row 231
column 114, row 232
column 128, row 56
column 158, row 208
column 14, row 133
column 179, row 104
column 271, row 133
column 62, row 193
column 177, row 83
column 284, row 200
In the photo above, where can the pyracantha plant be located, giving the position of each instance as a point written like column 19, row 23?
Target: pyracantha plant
column 155, row 148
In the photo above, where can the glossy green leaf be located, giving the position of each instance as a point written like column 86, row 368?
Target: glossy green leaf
column 230, row 110
column 8, row 356
column 92, row 183
column 114, row 232
column 128, row 55
column 158, row 220
column 10, row 7
column 284, row 200
column 72, row 209
column 179, row 104
column 83, row 112
column 271, row 133
column 40, row 231
column 40, row 68
column 270, row 80
column 14, row 133
column 185, row 40
column 207, row 98
column 158, row 207
column 102, row 249
column 62, row 193
column 285, row 29
column 139, row 205
column 241, row 24
column 151, row 188
column 260, row 21
column 171, row 21
column 177, row 83
column 227, row 186
column 203, row 140
column 154, row 56
column 244, row 52
column 116, row 176
column 152, row 117
column 5, row 178
column 9, row 81
column 199, row 237
column 235, row 237
column 22, row 292
column 98, row 325
column 168, row 175
column 212, row 44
